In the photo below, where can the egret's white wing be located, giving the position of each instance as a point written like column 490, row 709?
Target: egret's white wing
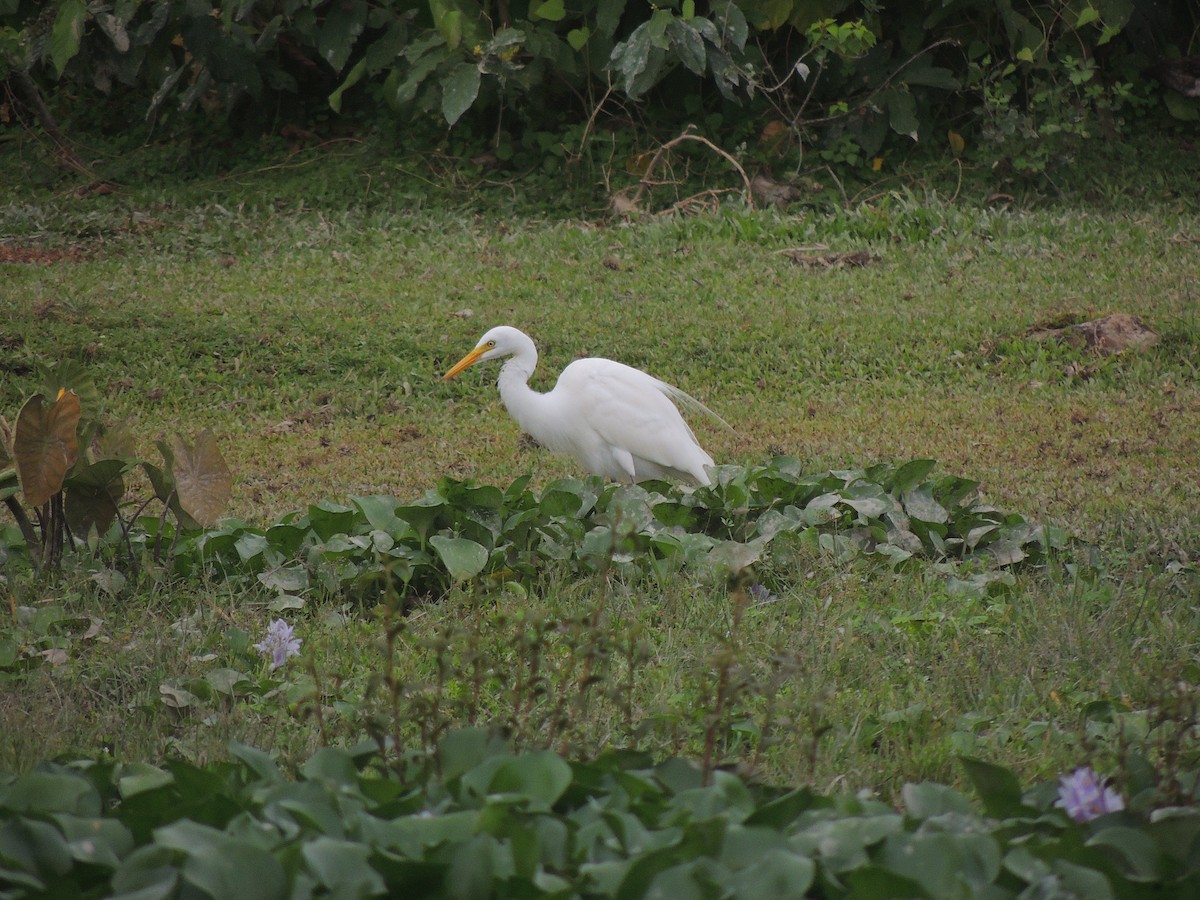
column 629, row 409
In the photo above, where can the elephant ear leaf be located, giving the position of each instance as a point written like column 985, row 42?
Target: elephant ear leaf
column 202, row 480
column 45, row 446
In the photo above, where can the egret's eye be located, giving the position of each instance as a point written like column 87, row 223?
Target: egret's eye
column 491, row 344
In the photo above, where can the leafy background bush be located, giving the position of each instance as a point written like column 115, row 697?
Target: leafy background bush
column 1019, row 85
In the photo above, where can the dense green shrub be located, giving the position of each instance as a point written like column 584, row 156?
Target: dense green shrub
column 1023, row 81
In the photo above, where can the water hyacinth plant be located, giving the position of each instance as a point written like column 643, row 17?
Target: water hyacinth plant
column 280, row 643
column 1084, row 795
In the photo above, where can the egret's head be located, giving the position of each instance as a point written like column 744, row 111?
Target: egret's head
column 499, row 342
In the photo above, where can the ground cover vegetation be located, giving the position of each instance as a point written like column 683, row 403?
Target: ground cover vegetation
column 833, row 613
column 944, row 563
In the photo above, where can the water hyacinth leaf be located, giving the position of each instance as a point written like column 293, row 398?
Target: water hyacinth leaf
column 920, row 504
column 177, row 697
column 942, row 862
column 540, row 775
column 45, row 446
column 33, row 853
column 219, row 869
column 997, row 787
column 202, row 480
column 257, row 761
column 139, row 778
column 1005, row 552
column 462, row 558
column 463, row 749
column 285, row 580
column 880, row 883
column 42, row 793
column 926, row 800
column 226, row 681
column 1140, row 852
column 909, row 475
column 343, row 867
column 778, row 873
column 380, row 513
column 148, row 873
column 95, row 841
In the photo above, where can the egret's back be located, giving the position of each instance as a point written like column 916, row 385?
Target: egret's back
column 622, row 424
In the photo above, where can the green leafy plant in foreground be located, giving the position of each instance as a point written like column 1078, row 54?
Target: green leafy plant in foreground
column 488, row 822
column 463, row 530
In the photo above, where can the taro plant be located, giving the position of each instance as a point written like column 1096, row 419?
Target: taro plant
column 63, row 471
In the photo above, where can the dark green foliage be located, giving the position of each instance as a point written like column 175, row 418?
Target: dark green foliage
column 1017, row 84
column 464, row 530
column 473, row 819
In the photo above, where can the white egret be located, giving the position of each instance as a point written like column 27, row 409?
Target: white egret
column 614, row 420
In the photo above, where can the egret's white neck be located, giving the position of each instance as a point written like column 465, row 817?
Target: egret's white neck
column 518, row 397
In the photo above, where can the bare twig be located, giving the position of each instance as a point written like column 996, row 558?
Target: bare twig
column 33, row 97
column 689, row 135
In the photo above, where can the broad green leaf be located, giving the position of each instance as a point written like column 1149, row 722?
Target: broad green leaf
column 1087, row 15
column 941, row 863
column 778, row 873
column 997, row 787
column 257, row 761
column 925, row 800
column 42, row 793
column 344, row 22
column 138, row 778
column 550, row 10
column 29, row 847
column 608, row 16
column 909, row 475
column 146, row 874
column 459, row 90
column 578, row 37
column 353, row 77
column 1138, row 848
column 218, row 864
column 66, row 33
column 96, row 841
column 463, row 558
column 176, row 697
column 687, row 44
column 331, row 765
column 920, row 504
column 45, row 445
column 902, row 113
column 93, row 494
column 540, row 775
column 1184, row 109
column 202, row 480
column 115, row 29
column 448, row 21
column 463, row 749
column 343, row 867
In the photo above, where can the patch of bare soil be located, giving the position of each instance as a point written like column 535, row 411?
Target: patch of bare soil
column 31, row 254
column 1104, row 336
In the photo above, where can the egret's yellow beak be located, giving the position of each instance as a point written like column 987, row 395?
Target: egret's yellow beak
column 469, row 360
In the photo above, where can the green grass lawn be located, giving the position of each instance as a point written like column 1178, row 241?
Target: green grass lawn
column 311, row 337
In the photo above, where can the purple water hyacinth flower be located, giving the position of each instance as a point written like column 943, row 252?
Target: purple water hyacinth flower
column 1084, row 795
column 762, row 594
column 280, row 643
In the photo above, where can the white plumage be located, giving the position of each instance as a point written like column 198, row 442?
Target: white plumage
column 614, row 420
